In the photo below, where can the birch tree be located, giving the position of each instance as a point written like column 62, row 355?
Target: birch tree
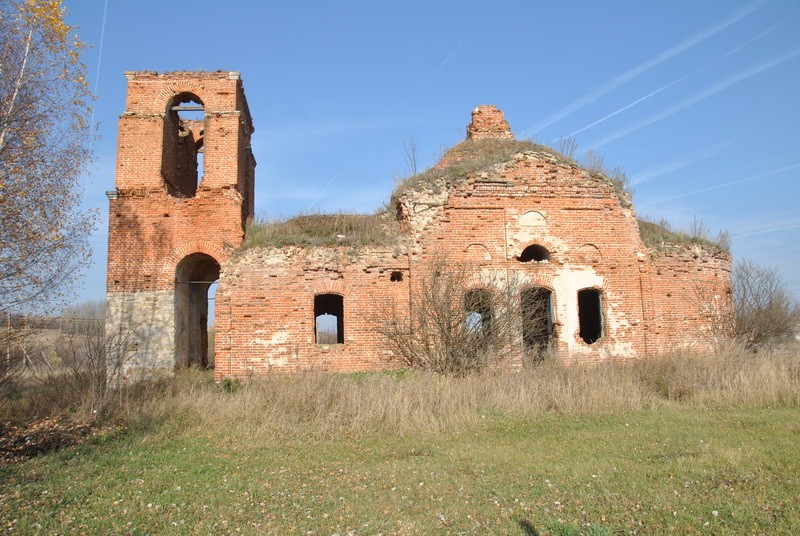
column 45, row 110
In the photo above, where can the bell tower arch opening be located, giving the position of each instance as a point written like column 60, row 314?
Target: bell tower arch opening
column 184, row 132
column 194, row 275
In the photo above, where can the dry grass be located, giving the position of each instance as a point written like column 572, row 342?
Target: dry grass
column 329, row 405
column 321, row 405
column 324, row 230
column 466, row 158
column 734, row 377
column 611, row 449
column 657, row 236
column 471, row 156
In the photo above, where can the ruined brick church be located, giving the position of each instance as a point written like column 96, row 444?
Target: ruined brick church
column 569, row 237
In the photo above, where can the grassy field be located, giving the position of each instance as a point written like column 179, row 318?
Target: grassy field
column 655, row 471
column 680, row 446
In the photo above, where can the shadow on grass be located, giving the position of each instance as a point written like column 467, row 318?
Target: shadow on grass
column 527, row 528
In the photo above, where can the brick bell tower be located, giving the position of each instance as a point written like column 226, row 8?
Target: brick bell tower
column 183, row 193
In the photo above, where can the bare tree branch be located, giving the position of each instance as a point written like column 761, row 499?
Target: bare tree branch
column 410, row 155
column 457, row 320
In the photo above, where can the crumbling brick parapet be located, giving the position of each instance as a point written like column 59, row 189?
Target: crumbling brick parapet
column 488, row 122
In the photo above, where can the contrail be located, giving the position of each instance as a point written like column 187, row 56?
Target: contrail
column 727, row 172
column 732, row 183
column 323, row 191
column 646, row 66
column 97, row 72
column 740, row 47
column 769, row 230
column 445, row 61
column 752, row 223
column 759, row 163
column 634, row 103
column 678, row 163
column 712, row 90
column 681, row 79
column 766, row 223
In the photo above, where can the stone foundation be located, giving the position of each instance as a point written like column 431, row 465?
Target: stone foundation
column 141, row 329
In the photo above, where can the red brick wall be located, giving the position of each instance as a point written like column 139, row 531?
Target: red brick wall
column 488, row 122
column 691, row 288
column 265, row 309
column 147, row 225
column 265, row 320
column 592, row 238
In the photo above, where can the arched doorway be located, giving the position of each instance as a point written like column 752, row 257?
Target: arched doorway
column 194, row 275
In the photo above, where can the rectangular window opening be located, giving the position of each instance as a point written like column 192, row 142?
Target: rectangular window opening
column 590, row 315
column 537, row 318
column 328, row 319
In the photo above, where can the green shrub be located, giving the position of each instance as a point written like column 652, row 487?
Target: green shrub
column 230, row 385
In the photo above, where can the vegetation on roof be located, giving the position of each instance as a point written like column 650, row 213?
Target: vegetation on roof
column 472, row 156
column 379, row 229
column 595, row 163
column 468, row 157
column 660, row 235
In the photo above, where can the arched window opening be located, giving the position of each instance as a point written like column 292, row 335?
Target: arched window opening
column 182, row 159
column 537, row 318
column 329, row 319
column 590, row 314
column 396, row 276
column 534, row 253
column 478, row 308
column 195, row 275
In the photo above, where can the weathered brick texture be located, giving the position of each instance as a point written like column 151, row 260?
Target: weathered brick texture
column 265, row 309
column 156, row 218
column 161, row 234
column 488, row 122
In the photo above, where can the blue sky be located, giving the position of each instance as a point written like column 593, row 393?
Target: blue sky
column 697, row 101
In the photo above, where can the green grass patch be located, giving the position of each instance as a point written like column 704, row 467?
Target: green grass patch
column 679, row 444
column 681, row 470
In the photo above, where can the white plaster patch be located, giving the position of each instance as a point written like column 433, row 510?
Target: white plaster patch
column 532, row 218
column 566, row 284
column 617, row 349
column 279, row 337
